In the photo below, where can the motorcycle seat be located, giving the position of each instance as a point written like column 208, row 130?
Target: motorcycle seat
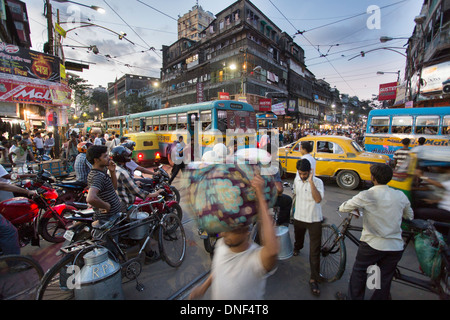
column 72, row 184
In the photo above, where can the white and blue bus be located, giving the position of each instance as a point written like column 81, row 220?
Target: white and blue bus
column 387, row 127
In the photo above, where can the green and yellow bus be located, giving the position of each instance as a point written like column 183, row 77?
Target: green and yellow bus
column 207, row 122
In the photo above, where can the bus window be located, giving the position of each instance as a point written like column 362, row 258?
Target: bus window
column 163, row 123
column 172, row 122
column 401, row 125
column 222, row 120
column 446, row 125
column 427, row 125
column 205, row 118
column 182, row 121
column 155, row 123
column 379, row 125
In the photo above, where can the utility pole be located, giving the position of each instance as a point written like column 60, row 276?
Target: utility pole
column 48, row 7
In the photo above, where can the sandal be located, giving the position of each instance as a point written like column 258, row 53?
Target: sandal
column 313, row 285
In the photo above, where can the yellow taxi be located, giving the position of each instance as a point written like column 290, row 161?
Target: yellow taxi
column 336, row 157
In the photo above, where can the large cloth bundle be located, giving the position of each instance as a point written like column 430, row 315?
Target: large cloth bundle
column 221, row 195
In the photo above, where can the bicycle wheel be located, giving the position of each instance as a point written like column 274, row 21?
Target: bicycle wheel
column 172, row 240
column 333, row 254
column 58, row 282
column 19, row 277
column 176, row 209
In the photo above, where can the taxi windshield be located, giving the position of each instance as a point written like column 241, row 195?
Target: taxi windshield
column 357, row 146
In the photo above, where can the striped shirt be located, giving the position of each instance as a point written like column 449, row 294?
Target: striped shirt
column 101, row 181
column 400, row 156
column 127, row 189
column 82, row 167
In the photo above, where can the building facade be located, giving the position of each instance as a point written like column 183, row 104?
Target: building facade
column 428, row 54
column 245, row 56
column 192, row 23
column 123, row 87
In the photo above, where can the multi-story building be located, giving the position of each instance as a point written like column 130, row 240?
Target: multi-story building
column 428, row 53
column 241, row 53
column 123, row 87
column 14, row 24
column 192, row 23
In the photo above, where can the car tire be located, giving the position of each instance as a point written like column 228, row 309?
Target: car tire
column 348, row 180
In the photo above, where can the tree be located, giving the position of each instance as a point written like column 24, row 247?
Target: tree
column 134, row 103
column 100, row 100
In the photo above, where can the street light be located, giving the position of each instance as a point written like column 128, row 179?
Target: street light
column 397, row 73
column 363, row 53
column 384, row 39
column 96, row 8
column 93, row 48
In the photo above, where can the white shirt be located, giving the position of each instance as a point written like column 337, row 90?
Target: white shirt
column 97, row 141
column 445, row 202
column 39, row 143
column 238, row 276
column 306, row 208
column 5, row 195
column 383, row 209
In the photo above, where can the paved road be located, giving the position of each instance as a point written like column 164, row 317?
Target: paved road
column 290, row 282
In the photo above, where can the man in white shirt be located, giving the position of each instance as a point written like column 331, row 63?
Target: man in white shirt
column 178, row 156
column 240, row 267
column 306, row 148
column 308, row 193
column 39, row 144
column 381, row 238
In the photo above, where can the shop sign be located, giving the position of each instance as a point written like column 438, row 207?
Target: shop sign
column 224, row 96
column 35, row 93
column 387, row 91
column 27, row 63
column 265, row 104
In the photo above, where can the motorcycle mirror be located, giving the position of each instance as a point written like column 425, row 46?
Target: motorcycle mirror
column 138, row 173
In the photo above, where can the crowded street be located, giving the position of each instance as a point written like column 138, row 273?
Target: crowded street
column 290, row 281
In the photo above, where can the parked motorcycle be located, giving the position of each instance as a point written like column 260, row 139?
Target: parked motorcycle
column 81, row 220
column 71, row 191
column 161, row 181
column 37, row 216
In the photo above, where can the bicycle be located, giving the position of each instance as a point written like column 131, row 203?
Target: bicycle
column 334, row 255
column 171, row 245
column 19, row 277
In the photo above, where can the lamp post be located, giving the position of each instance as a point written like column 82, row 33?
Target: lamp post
column 48, row 14
column 96, row 8
column 397, row 73
column 363, row 53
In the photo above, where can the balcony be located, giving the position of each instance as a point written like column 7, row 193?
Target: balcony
column 440, row 42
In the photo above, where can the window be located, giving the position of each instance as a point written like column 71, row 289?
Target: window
column 427, row 125
column 222, row 120
column 298, row 145
column 402, row 124
column 148, row 143
column 205, row 118
column 446, row 125
column 380, row 125
column 182, row 121
column 329, row 147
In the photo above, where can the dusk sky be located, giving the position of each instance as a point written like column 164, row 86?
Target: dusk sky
column 334, row 32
